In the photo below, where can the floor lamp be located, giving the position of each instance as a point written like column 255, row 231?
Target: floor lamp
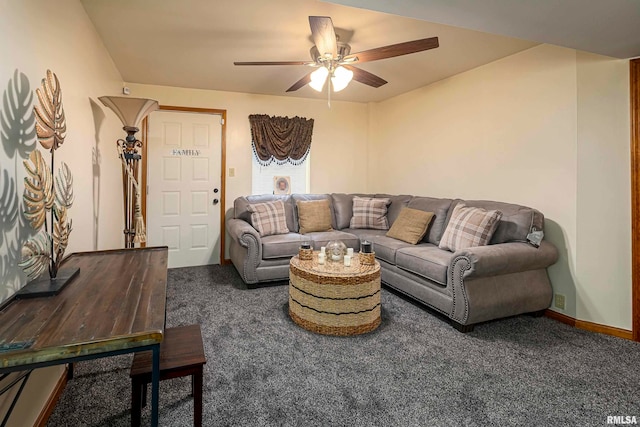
column 131, row 111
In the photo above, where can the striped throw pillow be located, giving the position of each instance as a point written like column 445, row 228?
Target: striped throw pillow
column 268, row 218
column 469, row 227
column 369, row 213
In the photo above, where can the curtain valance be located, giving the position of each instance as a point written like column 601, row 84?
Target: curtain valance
column 280, row 139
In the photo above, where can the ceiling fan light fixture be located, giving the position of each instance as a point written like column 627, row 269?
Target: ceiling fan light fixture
column 341, row 78
column 318, row 77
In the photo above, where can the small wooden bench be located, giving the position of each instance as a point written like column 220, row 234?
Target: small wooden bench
column 181, row 354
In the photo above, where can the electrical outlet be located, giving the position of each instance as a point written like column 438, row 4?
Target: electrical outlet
column 559, row 301
column 232, row 172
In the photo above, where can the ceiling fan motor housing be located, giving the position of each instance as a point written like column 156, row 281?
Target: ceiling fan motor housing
column 343, row 50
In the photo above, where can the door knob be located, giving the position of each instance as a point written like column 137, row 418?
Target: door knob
column 215, row 201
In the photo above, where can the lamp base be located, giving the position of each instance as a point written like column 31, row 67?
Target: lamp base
column 46, row 286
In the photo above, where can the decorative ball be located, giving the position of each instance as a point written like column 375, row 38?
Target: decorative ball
column 336, row 250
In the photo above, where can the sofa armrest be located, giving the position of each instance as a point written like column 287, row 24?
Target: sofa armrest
column 505, row 258
column 247, row 236
column 485, row 262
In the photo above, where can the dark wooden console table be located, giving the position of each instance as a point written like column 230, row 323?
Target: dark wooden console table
column 115, row 305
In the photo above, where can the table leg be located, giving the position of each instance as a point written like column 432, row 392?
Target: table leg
column 136, row 401
column 155, row 385
column 197, row 398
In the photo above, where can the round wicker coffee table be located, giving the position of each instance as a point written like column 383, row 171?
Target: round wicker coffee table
column 332, row 299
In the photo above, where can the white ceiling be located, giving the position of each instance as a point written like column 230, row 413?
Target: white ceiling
column 607, row 27
column 193, row 43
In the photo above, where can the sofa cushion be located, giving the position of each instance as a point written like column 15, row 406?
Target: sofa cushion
column 268, row 218
column 439, row 207
column 516, row 222
column 396, row 203
column 364, row 233
column 307, row 197
column 386, row 248
column 281, row 245
column 343, row 208
column 425, row 260
column 469, row 227
column 369, row 213
column 321, row 238
column 241, row 208
column 314, row 215
column 411, row 225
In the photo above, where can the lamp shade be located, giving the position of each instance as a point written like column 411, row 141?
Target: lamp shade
column 130, row 110
column 318, row 77
column 341, row 78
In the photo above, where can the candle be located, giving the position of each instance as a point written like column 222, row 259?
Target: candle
column 322, row 248
column 321, row 258
column 305, row 245
column 350, row 251
column 366, row 247
column 347, row 261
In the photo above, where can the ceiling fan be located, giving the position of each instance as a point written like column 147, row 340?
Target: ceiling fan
column 334, row 59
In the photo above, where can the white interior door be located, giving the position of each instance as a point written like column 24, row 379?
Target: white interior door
column 184, row 161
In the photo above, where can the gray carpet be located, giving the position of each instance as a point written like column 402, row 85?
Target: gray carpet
column 415, row 370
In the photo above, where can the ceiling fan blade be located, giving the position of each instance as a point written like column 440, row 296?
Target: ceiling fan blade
column 300, row 83
column 275, row 63
column 365, row 77
column 324, row 35
column 395, row 50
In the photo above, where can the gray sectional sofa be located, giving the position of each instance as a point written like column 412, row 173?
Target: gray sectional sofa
column 505, row 278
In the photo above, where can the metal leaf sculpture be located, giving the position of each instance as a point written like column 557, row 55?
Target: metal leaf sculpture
column 51, row 125
column 43, row 194
column 64, row 186
column 36, row 255
column 38, row 190
column 18, row 122
column 61, row 231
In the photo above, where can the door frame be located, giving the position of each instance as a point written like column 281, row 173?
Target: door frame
column 223, row 164
column 634, row 96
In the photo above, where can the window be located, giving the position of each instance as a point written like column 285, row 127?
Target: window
column 281, row 147
column 262, row 177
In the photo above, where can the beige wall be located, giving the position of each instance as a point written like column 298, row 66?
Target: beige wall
column 604, row 204
column 339, row 134
column 35, row 40
column 548, row 128
column 38, row 35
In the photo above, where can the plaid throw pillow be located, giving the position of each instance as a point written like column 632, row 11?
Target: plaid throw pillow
column 369, row 213
column 268, row 218
column 469, row 227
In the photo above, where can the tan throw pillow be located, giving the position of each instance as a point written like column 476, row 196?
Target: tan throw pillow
column 314, row 215
column 469, row 227
column 369, row 213
column 268, row 218
column 411, row 225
